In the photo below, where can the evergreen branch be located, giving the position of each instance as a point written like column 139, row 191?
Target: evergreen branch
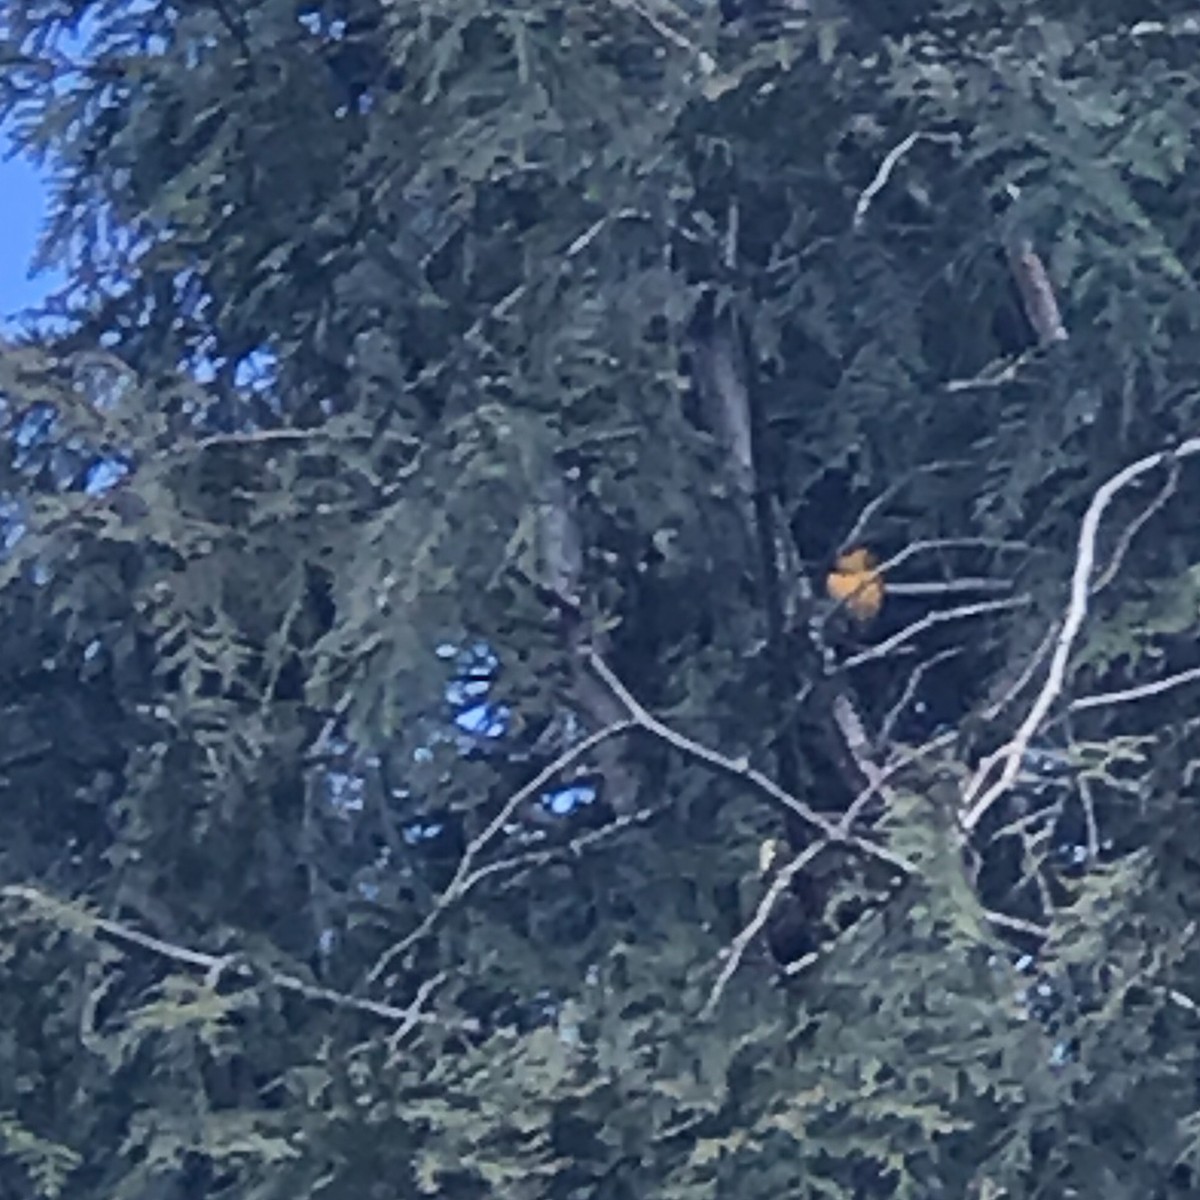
column 213, row 965
column 466, row 876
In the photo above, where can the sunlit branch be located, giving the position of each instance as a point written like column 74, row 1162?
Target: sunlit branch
column 890, row 161
column 978, row 796
column 1135, row 692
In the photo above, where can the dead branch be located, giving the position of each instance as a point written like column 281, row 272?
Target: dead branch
column 928, row 621
column 1135, row 692
column 896, row 711
column 841, row 831
column 465, row 875
column 873, row 506
column 741, row 769
column 751, row 930
column 1134, row 527
column 978, row 797
column 1037, row 293
column 888, row 165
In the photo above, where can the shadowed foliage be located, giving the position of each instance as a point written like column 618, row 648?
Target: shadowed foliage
column 599, row 601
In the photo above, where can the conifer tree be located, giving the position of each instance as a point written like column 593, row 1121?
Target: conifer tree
column 599, row 601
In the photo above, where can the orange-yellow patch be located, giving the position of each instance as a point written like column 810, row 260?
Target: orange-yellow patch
column 856, row 583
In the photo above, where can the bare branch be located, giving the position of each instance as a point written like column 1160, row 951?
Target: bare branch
column 949, row 587
column 928, row 621
column 1135, row 692
column 1018, row 924
column 741, row 769
column 1027, row 673
column 893, row 715
column 922, row 545
column 888, row 165
column 521, row 864
column 1134, row 527
column 889, row 494
column 977, row 800
column 653, row 13
column 762, row 914
column 1091, row 826
column 995, row 374
column 465, row 875
column 841, row 831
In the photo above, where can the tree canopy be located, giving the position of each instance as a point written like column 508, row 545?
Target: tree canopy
column 599, row 600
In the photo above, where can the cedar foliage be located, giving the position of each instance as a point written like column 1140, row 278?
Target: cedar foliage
column 440, row 342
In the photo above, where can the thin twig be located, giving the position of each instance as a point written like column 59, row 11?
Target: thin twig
column 867, row 515
column 893, row 715
column 704, row 60
column 871, row 577
column 940, row 617
column 841, row 831
column 947, row 587
column 1131, row 530
column 923, row 545
column 1135, row 692
column 762, row 914
column 888, row 165
column 465, row 875
column 995, row 374
column 1027, row 673
column 1019, row 924
column 521, row 864
column 1091, row 825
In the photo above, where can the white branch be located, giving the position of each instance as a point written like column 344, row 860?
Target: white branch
column 884, row 648
column 893, row 156
column 1136, row 691
column 1009, row 756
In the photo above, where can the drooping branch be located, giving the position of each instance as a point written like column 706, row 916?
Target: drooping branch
column 76, row 919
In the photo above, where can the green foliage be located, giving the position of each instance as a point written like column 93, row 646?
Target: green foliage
column 424, row 341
